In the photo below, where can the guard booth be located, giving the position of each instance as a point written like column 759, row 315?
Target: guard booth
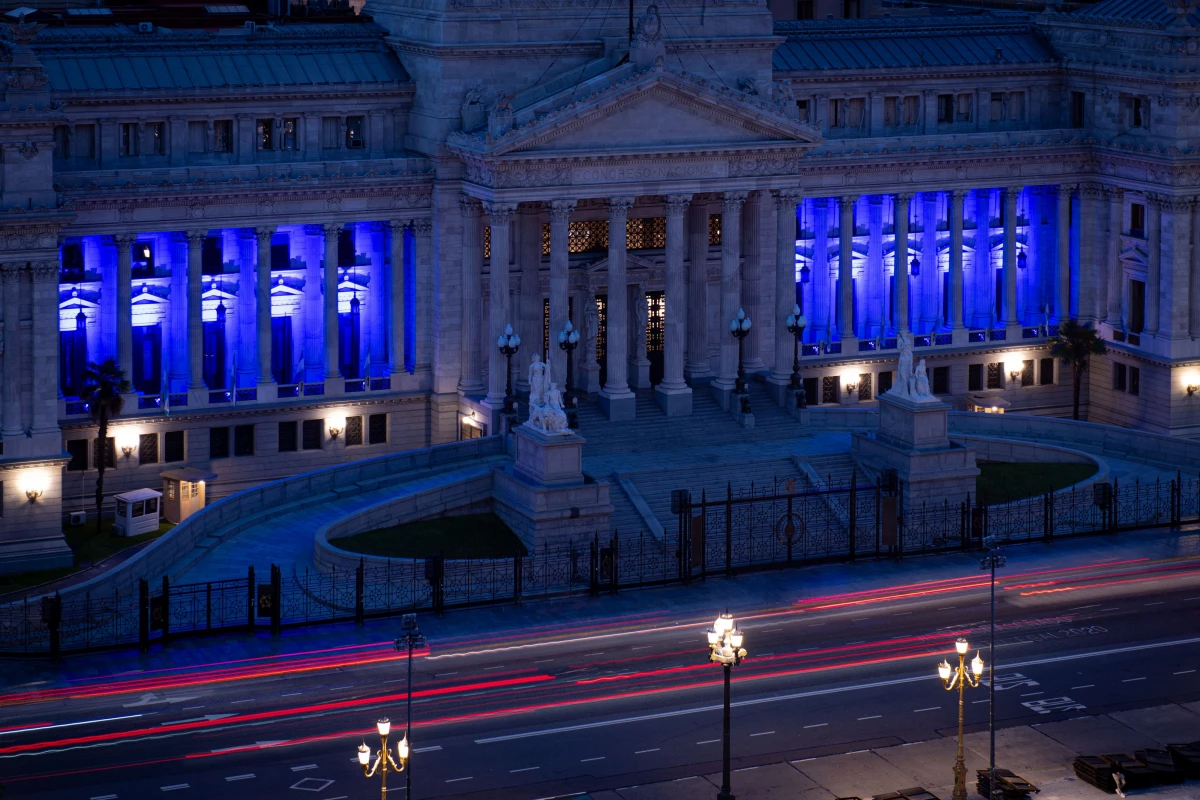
column 183, row 492
column 138, row 512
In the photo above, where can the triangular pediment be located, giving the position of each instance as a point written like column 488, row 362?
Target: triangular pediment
column 654, row 111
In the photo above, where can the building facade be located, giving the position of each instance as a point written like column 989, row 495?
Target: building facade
column 301, row 238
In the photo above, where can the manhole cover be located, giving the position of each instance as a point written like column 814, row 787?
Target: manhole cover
column 312, row 784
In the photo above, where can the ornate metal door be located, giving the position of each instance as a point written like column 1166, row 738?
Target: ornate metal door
column 654, row 335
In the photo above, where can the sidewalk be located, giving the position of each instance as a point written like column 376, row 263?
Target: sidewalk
column 1042, row 754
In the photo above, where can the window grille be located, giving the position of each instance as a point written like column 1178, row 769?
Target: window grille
column 830, row 384
column 646, row 233
column 587, row 235
column 354, row 431
column 714, row 229
column 995, row 375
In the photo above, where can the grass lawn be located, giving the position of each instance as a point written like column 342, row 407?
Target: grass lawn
column 468, row 536
column 1003, row 481
column 89, row 547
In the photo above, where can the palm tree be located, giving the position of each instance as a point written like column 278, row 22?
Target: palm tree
column 103, row 385
column 1075, row 345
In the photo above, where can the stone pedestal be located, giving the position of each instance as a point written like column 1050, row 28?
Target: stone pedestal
column 780, row 391
column 618, row 407
column 721, row 394
column 544, row 496
column 639, row 373
column 736, row 404
column 589, row 378
column 674, row 402
column 912, row 439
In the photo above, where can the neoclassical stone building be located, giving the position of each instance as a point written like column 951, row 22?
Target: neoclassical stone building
column 301, row 237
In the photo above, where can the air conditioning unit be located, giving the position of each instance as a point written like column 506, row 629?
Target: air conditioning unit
column 78, row 518
column 145, row 27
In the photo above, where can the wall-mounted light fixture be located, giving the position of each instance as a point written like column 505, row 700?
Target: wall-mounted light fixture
column 34, row 485
column 34, row 494
column 1015, row 375
column 334, row 433
column 1191, row 389
column 127, row 449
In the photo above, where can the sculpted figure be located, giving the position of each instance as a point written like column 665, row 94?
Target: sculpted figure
column 639, row 321
column 921, row 382
column 904, row 370
column 591, row 326
column 539, row 381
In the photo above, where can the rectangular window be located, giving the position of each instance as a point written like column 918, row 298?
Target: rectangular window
column 890, row 111
column 331, row 129
column 997, row 106
column 173, row 450
column 62, row 141
column 287, row 436
column 129, row 139
column 1077, row 99
column 148, row 448
column 831, row 387
column 212, row 259
column 804, row 9
column 1027, row 373
column 941, row 380
column 85, row 141
column 975, row 377
column 287, row 137
column 945, row 105
column 355, row 135
column 836, row 119
column 354, row 431
column 963, row 112
column 912, row 110
column 158, row 138
column 1140, row 107
column 1045, row 371
column 856, row 112
column 1137, row 220
column 811, row 391
column 314, row 434
column 243, row 440
column 218, row 443
column 864, row 386
column 197, row 137
column 223, row 136
column 995, row 375
column 1137, row 306
column 264, row 134
column 110, row 457
column 802, row 109
column 1120, row 379
column 377, row 429
column 1016, row 106
column 78, row 448
column 885, row 382
column 1135, row 380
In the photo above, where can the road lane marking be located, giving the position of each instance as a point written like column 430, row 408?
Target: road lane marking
column 1131, row 680
column 745, row 769
column 947, row 608
column 292, row 694
column 303, row 767
column 876, row 716
column 818, row 725
column 589, row 655
column 1156, row 603
column 651, row 750
column 489, row 669
column 1081, row 608
column 831, row 691
column 762, row 733
column 1032, row 694
column 543, row 661
column 595, row 758
column 246, row 777
column 902, row 614
column 1184, row 672
column 644, row 647
column 456, row 780
column 68, row 724
column 1084, row 686
column 235, row 702
column 977, row 702
column 174, row 787
column 430, row 749
column 931, row 708
column 709, row 741
column 522, row 769
column 444, row 674
column 770, row 630
column 1114, row 608
column 106, row 797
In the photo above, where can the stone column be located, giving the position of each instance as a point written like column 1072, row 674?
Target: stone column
column 698, row 368
column 330, row 307
column 616, row 400
column 396, row 316
column 958, row 332
column 822, row 274
column 1011, row 320
column 1153, row 260
column 1091, row 251
column 731, row 291
column 501, row 215
column 673, row 395
column 262, row 313
column 10, row 280
column 1176, row 256
column 786, row 201
column 44, row 352
column 560, row 266
column 1062, row 294
column 873, row 295
column 422, row 307
column 125, row 303
column 752, row 272
column 981, row 287
column 928, row 282
column 1116, row 272
column 846, row 274
column 900, row 261
column 245, row 361
column 195, row 317
column 471, row 381
column 529, row 263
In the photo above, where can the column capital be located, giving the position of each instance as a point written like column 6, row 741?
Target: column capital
column 620, row 204
column 499, row 212
column 1064, row 190
column 470, row 206
column 846, row 202
column 788, row 197
column 422, row 226
column 314, row 230
column 263, row 233
column 1091, row 191
column 123, row 240
column 195, row 237
column 1011, row 191
column 732, row 202
column 44, row 271
column 10, row 274
column 903, row 197
column 957, row 195
column 396, row 226
column 333, row 228
column 677, row 204
column 1115, row 194
column 560, row 210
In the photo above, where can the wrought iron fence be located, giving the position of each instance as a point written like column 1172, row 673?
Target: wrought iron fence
column 753, row 528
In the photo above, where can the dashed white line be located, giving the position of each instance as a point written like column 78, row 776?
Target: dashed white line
column 859, row 619
column 651, row 750
column 1183, row 672
column 235, row 702
column 174, row 787
column 931, row 708
column 709, row 741
column 303, row 767
column 1156, row 603
column 902, row 614
column 489, row 669
column 246, row 777
column 589, row 655
column 947, row 608
column 745, row 769
column 456, row 780
column 976, row 702
column 106, row 797
column 191, row 708
column 818, row 725
column 524, row 769
column 291, row 694
column 444, row 674
column 544, row 661
column 1032, row 694
column 770, row 630
column 1131, row 680
column 876, row 716
column 763, row 733
column 429, row 749
column 801, row 761
column 644, row 647
column 1081, row 608
column 596, row 758
column 760, row 655
column 1085, row 686
column 1114, row 608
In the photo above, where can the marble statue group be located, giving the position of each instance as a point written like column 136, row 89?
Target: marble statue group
column 912, row 383
column 545, row 399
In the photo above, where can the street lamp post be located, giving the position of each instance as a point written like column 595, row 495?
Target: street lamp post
column 992, row 561
column 383, row 758
column 725, row 648
column 739, row 326
column 960, row 677
column 509, row 343
column 411, row 638
column 568, row 340
column 796, row 323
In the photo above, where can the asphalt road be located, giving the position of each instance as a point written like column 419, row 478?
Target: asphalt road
column 552, row 710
